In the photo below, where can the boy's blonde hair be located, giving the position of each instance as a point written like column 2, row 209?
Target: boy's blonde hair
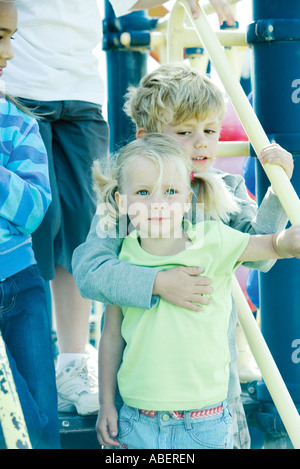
column 172, row 94
column 163, row 150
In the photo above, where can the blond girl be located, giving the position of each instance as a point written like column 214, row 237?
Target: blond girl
column 171, row 364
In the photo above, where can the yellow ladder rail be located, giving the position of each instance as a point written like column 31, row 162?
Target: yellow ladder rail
column 11, row 416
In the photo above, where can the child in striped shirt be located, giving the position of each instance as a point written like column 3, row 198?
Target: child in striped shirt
column 24, row 198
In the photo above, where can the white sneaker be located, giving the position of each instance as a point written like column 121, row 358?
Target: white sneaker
column 77, row 388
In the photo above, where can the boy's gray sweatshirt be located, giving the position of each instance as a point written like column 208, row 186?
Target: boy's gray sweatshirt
column 101, row 277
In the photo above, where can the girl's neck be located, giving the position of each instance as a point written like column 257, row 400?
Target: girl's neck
column 165, row 246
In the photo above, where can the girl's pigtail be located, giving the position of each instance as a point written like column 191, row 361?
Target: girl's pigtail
column 105, row 188
column 218, row 201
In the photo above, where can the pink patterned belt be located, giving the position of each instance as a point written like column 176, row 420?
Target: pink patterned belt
column 194, row 414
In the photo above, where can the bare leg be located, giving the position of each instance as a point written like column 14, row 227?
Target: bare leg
column 71, row 313
column 76, row 380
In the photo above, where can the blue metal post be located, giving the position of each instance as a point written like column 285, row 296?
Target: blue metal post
column 275, row 39
column 125, row 67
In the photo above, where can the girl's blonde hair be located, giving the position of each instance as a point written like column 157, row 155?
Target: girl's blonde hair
column 19, row 105
column 172, row 94
column 163, row 150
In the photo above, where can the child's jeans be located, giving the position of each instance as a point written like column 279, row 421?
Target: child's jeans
column 24, row 324
column 164, row 431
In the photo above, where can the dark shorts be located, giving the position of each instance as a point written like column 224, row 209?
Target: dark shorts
column 75, row 134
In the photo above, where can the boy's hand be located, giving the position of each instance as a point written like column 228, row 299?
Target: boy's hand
column 183, row 286
column 222, row 8
column 107, row 425
column 275, row 154
column 287, row 242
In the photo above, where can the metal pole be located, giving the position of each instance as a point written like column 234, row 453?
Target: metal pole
column 125, row 67
column 275, row 39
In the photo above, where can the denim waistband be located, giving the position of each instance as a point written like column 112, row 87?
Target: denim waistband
column 168, row 417
column 194, row 414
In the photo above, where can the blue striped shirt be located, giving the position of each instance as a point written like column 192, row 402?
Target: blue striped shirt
column 24, row 187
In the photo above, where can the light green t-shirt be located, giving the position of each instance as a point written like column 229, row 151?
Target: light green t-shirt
column 176, row 359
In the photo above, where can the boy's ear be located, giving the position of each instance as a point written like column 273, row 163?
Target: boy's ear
column 121, row 203
column 141, row 133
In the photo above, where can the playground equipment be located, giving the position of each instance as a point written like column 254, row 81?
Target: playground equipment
column 274, row 42
column 274, row 36
column 124, row 67
column 11, row 415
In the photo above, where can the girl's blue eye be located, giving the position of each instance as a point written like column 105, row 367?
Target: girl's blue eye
column 143, row 192
column 171, row 191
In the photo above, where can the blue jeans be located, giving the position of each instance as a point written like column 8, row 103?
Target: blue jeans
column 139, row 431
column 25, row 329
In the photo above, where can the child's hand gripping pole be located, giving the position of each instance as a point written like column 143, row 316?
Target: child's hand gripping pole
column 282, row 187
